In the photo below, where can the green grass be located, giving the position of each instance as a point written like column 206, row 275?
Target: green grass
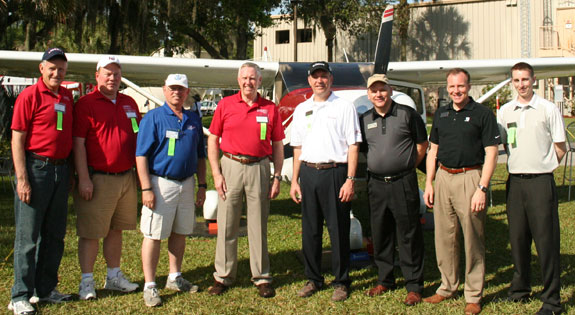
column 284, row 242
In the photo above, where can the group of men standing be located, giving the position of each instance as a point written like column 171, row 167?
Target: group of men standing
column 109, row 139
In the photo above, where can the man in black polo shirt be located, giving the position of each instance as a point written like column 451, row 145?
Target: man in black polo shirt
column 395, row 140
column 464, row 139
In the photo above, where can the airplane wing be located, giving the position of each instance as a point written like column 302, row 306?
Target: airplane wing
column 217, row 73
column 482, row 71
column 144, row 71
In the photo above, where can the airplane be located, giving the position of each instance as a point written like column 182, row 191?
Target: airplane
column 286, row 82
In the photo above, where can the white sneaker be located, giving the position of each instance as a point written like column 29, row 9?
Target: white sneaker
column 21, row 308
column 87, row 290
column 34, row 299
column 181, row 285
column 120, row 283
column 55, row 297
column 152, row 297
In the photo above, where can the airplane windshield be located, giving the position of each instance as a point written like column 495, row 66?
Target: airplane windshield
column 344, row 74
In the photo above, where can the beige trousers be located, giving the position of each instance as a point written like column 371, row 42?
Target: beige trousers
column 253, row 182
column 452, row 210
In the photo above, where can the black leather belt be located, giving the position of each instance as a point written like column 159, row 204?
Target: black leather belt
column 47, row 159
column 529, row 176
column 390, row 178
column 323, row 166
column 111, row 173
column 179, row 179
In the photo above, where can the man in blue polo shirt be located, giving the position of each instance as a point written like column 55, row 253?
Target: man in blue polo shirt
column 170, row 150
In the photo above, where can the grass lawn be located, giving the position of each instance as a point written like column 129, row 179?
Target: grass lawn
column 284, row 242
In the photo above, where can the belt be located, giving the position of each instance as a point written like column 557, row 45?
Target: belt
column 179, row 179
column 458, row 170
column 47, row 159
column 323, row 166
column 390, row 178
column 111, row 173
column 245, row 159
column 529, row 176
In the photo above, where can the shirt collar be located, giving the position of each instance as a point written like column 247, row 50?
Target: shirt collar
column 256, row 103
column 44, row 89
column 391, row 112
column 532, row 103
column 469, row 106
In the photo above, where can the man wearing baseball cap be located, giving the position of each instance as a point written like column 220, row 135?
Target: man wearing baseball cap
column 395, row 140
column 41, row 144
column 325, row 136
column 105, row 130
column 170, row 151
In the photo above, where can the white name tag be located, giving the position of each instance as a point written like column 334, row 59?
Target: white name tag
column 60, row 107
column 262, row 119
column 171, row 134
column 131, row 114
column 372, row 125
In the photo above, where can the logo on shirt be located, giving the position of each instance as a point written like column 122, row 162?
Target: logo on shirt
column 467, row 119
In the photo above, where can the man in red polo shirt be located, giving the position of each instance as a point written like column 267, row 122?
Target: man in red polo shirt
column 41, row 143
column 251, row 132
column 105, row 130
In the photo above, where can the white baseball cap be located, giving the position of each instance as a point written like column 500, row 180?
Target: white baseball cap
column 177, row 79
column 106, row 60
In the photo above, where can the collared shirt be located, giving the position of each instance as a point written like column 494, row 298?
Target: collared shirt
column 157, row 128
column 325, row 130
column 107, row 128
column 462, row 135
column 390, row 141
column 36, row 113
column 535, row 127
column 244, row 129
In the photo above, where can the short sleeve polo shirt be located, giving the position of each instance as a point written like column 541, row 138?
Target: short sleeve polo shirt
column 325, row 130
column 462, row 135
column 535, row 127
column 244, row 129
column 157, row 128
column 107, row 128
column 391, row 140
column 36, row 113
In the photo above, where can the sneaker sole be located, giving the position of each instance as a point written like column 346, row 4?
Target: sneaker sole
column 88, row 297
column 120, row 290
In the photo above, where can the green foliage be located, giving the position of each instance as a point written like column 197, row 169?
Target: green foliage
column 504, row 96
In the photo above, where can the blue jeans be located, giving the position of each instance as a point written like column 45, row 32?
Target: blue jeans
column 40, row 230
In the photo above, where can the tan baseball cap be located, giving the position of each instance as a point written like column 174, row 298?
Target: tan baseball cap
column 379, row 77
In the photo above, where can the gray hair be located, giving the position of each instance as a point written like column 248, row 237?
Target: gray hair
column 250, row 65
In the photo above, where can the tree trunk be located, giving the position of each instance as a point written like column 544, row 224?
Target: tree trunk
column 30, row 41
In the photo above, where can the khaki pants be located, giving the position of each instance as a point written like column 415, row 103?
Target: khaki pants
column 453, row 193
column 253, row 180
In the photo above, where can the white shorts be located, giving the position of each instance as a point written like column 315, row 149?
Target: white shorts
column 174, row 209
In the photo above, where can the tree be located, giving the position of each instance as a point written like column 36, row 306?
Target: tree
column 504, row 96
column 401, row 19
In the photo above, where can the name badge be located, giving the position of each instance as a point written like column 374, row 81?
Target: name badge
column 262, row 119
column 172, row 134
column 131, row 114
column 309, row 113
column 372, row 125
column 60, row 107
column 444, row 114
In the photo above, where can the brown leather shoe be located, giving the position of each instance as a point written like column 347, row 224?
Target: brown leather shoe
column 308, row 290
column 377, row 290
column 436, row 298
column 217, row 289
column 266, row 290
column 412, row 299
column 339, row 293
column 472, row 308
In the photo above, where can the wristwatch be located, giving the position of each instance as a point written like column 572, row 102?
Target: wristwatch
column 278, row 177
column 483, row 188
column 203, row 186
column 353, row 179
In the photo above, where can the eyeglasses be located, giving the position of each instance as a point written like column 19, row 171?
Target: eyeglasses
column 176, row 88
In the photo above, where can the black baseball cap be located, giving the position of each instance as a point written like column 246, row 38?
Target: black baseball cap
column 318, row 65
column 52, row 53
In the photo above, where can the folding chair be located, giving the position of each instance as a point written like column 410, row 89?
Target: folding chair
column 570, row 137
